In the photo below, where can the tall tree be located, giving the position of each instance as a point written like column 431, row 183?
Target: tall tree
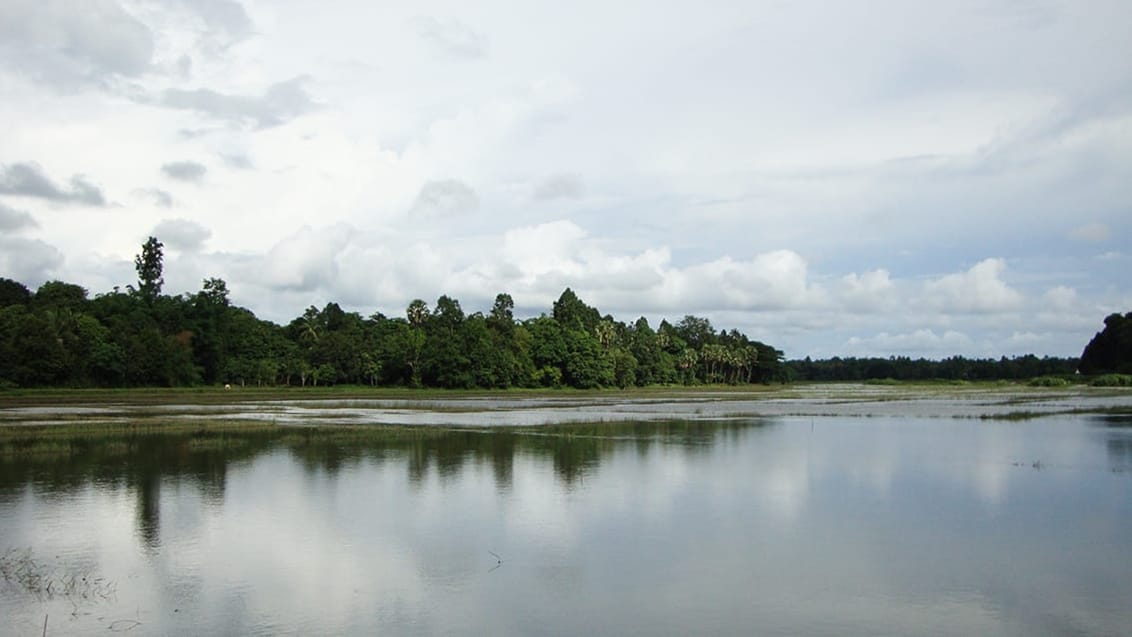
column 149, row 264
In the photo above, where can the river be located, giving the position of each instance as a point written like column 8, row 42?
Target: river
column 721, row 521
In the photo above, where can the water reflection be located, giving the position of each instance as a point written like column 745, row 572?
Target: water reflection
column 786, row 525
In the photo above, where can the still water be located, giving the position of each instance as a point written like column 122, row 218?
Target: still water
column 817, row 525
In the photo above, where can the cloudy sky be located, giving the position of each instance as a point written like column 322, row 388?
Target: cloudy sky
column 868, row 178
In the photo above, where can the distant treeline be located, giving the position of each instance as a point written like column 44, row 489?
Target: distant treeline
column 953, row 368
column 57, row 336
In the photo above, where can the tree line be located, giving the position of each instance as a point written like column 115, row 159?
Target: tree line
column 58, row 336
column 904, row 368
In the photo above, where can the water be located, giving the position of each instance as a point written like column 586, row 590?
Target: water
column 817, row 525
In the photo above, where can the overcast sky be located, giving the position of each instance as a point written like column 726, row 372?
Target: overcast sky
column 866, row 178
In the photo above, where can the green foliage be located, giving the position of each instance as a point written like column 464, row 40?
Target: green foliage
column 60, row 337
column 1113, row 380
column 13, row 293
column 1049, row 381
column 954, row 368
column 149, row 265
column 1110, row 351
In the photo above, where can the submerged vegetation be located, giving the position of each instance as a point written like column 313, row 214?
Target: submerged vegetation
column 67, row 455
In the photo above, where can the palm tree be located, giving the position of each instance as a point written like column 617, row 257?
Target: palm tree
column 417, row 313
column 605, row 334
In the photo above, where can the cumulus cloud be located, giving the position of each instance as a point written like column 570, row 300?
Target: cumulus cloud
column 185, row 171
column 979, row 289
column 538, row 261
column 306, row 261
column 775, row 280
column 445, row 197
column 12, row 220
column 182, row 234
column 280, row 103
column 66, row 45
column 1091, row 232
column 1061, row 298
column 28, row 260
column 28, row 180
column 451, row 37
column 561, row 186
column 871, row 291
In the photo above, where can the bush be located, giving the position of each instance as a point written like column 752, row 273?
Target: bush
column 1113, row 380
column 1049, row 381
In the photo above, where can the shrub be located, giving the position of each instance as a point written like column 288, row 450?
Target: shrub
column 1049, row 381
column 1113, row 380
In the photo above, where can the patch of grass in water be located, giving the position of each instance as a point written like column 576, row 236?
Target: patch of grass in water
column 116, row 439
column 1015, row 415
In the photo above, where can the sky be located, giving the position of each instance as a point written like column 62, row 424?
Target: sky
column 872, row 178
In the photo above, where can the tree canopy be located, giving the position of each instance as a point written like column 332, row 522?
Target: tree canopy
column 1110, row 351
column 58, row 336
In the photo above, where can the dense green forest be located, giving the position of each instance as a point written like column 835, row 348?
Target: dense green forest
column 1110, row 351
column 57, row 336
column 919, row 369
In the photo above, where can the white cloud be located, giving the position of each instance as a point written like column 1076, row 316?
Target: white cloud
column 844, row 191
column 29, row 261
column 1061, row 297
column 305, row 261
column 279, row 103
column 12, row 220
column 182, row 234
column 445, row 197
column 872, row 291
column 185, row 171
column 28, row 180
column 979, row 289
column 66, row 45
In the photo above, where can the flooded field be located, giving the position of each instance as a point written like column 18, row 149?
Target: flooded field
column 844, row 510
column 507, row 410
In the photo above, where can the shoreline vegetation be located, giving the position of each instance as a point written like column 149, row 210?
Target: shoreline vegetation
column 59, row 338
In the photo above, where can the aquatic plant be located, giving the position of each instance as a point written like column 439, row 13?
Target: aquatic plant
column 21, row 571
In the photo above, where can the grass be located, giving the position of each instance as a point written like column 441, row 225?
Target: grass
column 217, row 395
column 1050, row 381
column 115, row 439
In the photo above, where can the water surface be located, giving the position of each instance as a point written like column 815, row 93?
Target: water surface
column 819, row 525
